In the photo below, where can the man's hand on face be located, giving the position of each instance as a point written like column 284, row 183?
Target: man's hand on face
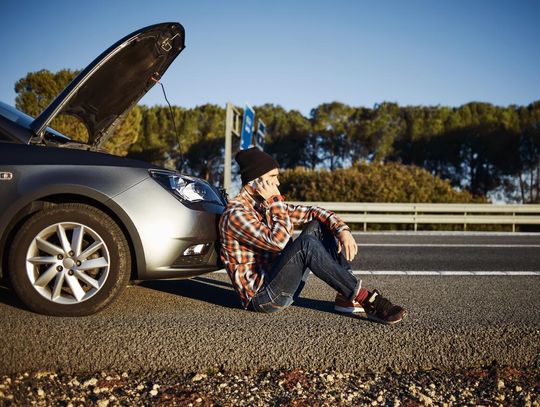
column 347, row 243
column 267, row 188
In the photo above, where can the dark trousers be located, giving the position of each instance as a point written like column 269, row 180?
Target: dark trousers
column 316, row 250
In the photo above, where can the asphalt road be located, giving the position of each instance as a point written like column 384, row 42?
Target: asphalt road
column 195, row 325
column 444, row 252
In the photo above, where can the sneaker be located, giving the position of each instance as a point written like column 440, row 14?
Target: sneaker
column 346, row 306
column 381, row 310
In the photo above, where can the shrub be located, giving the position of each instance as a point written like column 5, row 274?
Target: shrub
column 377, row 182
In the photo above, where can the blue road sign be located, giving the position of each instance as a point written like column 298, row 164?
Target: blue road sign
column 261, row 132
column 248, row 123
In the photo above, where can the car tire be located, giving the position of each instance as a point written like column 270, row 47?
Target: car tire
column 69, row 260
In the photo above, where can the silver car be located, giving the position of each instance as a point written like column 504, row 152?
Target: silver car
column 77, row 224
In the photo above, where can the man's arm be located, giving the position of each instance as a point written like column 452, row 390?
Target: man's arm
column 302, row 214
column 248, row 229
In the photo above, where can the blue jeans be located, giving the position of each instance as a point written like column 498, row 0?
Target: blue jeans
column 316, row 250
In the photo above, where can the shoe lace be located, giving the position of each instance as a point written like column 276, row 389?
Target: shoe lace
column 382, row 305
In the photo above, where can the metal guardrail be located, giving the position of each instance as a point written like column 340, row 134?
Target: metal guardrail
column 414, row 213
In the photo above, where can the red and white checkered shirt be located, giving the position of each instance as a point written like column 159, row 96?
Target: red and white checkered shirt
column 254, row 233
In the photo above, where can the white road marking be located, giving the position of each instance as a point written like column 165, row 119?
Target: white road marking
column 436, row 233
column 445, row 273
column 434, row 273
column 446, row 245
column 442, row 233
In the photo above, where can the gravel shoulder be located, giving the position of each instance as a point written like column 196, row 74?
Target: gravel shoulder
column 486, row 386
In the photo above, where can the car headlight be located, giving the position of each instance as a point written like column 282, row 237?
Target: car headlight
column 187, row 189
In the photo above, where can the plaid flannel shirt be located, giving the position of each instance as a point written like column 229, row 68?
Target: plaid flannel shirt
column 253, row 234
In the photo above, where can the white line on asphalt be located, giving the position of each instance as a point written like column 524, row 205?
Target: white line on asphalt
column 445, row 273
column 445, row 245
column 442, row 233
column 435, row 273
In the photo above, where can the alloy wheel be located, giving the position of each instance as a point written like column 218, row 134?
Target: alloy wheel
column 67, row 263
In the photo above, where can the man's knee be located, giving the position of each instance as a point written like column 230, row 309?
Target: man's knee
column 308, row 238
column 312, row 227
column 309, row 242
column 270, row 308
column 277, row 304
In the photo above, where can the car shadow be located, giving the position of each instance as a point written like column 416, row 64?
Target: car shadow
column 8, row 297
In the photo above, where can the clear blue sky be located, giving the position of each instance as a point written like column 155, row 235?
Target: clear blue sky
column 297, row 54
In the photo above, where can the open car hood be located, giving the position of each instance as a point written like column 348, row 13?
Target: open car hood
column 105, row 91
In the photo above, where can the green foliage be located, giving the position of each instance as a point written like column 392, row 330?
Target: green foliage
column 331, row 125
column 157, row 135
column 38, row 89
column 196, row 149
column 126, row 133
column 287, row 134
column 528, row 156
column 202, row 140
column 375, row 182
column 484, row 149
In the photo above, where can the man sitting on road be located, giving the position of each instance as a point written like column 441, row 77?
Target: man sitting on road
column 268, row 268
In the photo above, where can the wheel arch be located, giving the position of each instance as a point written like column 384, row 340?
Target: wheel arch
column 24, row 210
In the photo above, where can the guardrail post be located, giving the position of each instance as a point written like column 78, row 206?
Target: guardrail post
column 465, row 223
column 365, row 223
column 415, row 215
column 513, row 222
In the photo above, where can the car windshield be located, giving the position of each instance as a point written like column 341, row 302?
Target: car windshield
column 10, row 113
column 15, row 115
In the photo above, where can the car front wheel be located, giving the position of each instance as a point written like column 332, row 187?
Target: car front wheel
column 69, row 260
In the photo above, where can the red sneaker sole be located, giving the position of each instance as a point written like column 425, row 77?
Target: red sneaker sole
column 382, row 321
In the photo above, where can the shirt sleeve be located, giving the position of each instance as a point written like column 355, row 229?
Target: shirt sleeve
column 246, row 227
column 301, row 214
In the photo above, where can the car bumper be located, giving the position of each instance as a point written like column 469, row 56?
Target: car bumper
column 167, row 228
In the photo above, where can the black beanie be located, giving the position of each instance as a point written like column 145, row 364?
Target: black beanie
column 254, row 163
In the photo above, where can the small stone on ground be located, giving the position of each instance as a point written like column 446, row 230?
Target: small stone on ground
column 475, row 386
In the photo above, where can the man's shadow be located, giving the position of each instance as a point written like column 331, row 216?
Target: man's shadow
column 198, row 288
column 220, row 293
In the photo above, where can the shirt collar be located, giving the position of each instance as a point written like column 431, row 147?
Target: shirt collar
column 246, row 196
